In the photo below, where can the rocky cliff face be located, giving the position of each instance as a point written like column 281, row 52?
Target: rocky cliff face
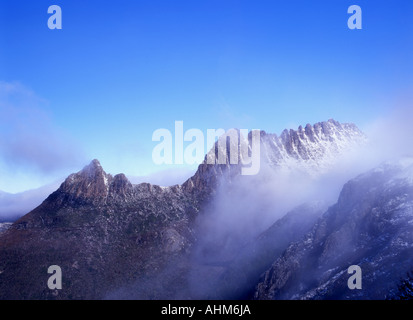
column 313, row 147
column 118, row 240
column 370, row 226
column 312, row 150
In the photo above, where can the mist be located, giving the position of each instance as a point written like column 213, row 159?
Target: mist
column 32, row 147
column 14, row 206
column 229, row 253
column 246, row 207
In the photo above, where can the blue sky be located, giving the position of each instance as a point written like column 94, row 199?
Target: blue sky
column 119, row 70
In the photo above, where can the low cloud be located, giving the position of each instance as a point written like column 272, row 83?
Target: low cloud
column 29, row 142
column 14, row 206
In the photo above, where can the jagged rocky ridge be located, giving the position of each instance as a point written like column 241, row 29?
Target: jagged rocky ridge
column 108, row 235
column 312, row 150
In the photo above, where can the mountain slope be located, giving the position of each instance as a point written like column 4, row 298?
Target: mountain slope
column 100, row 230
column 371, row 226
column 240, row 276
column 4, row 226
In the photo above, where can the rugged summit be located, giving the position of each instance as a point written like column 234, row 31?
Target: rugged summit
column 90, row 183
column 94, row 185
column 312, row 149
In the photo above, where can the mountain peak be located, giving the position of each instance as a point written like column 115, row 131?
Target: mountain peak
column 91, row 182
column 95, row 163
column 93, row 168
